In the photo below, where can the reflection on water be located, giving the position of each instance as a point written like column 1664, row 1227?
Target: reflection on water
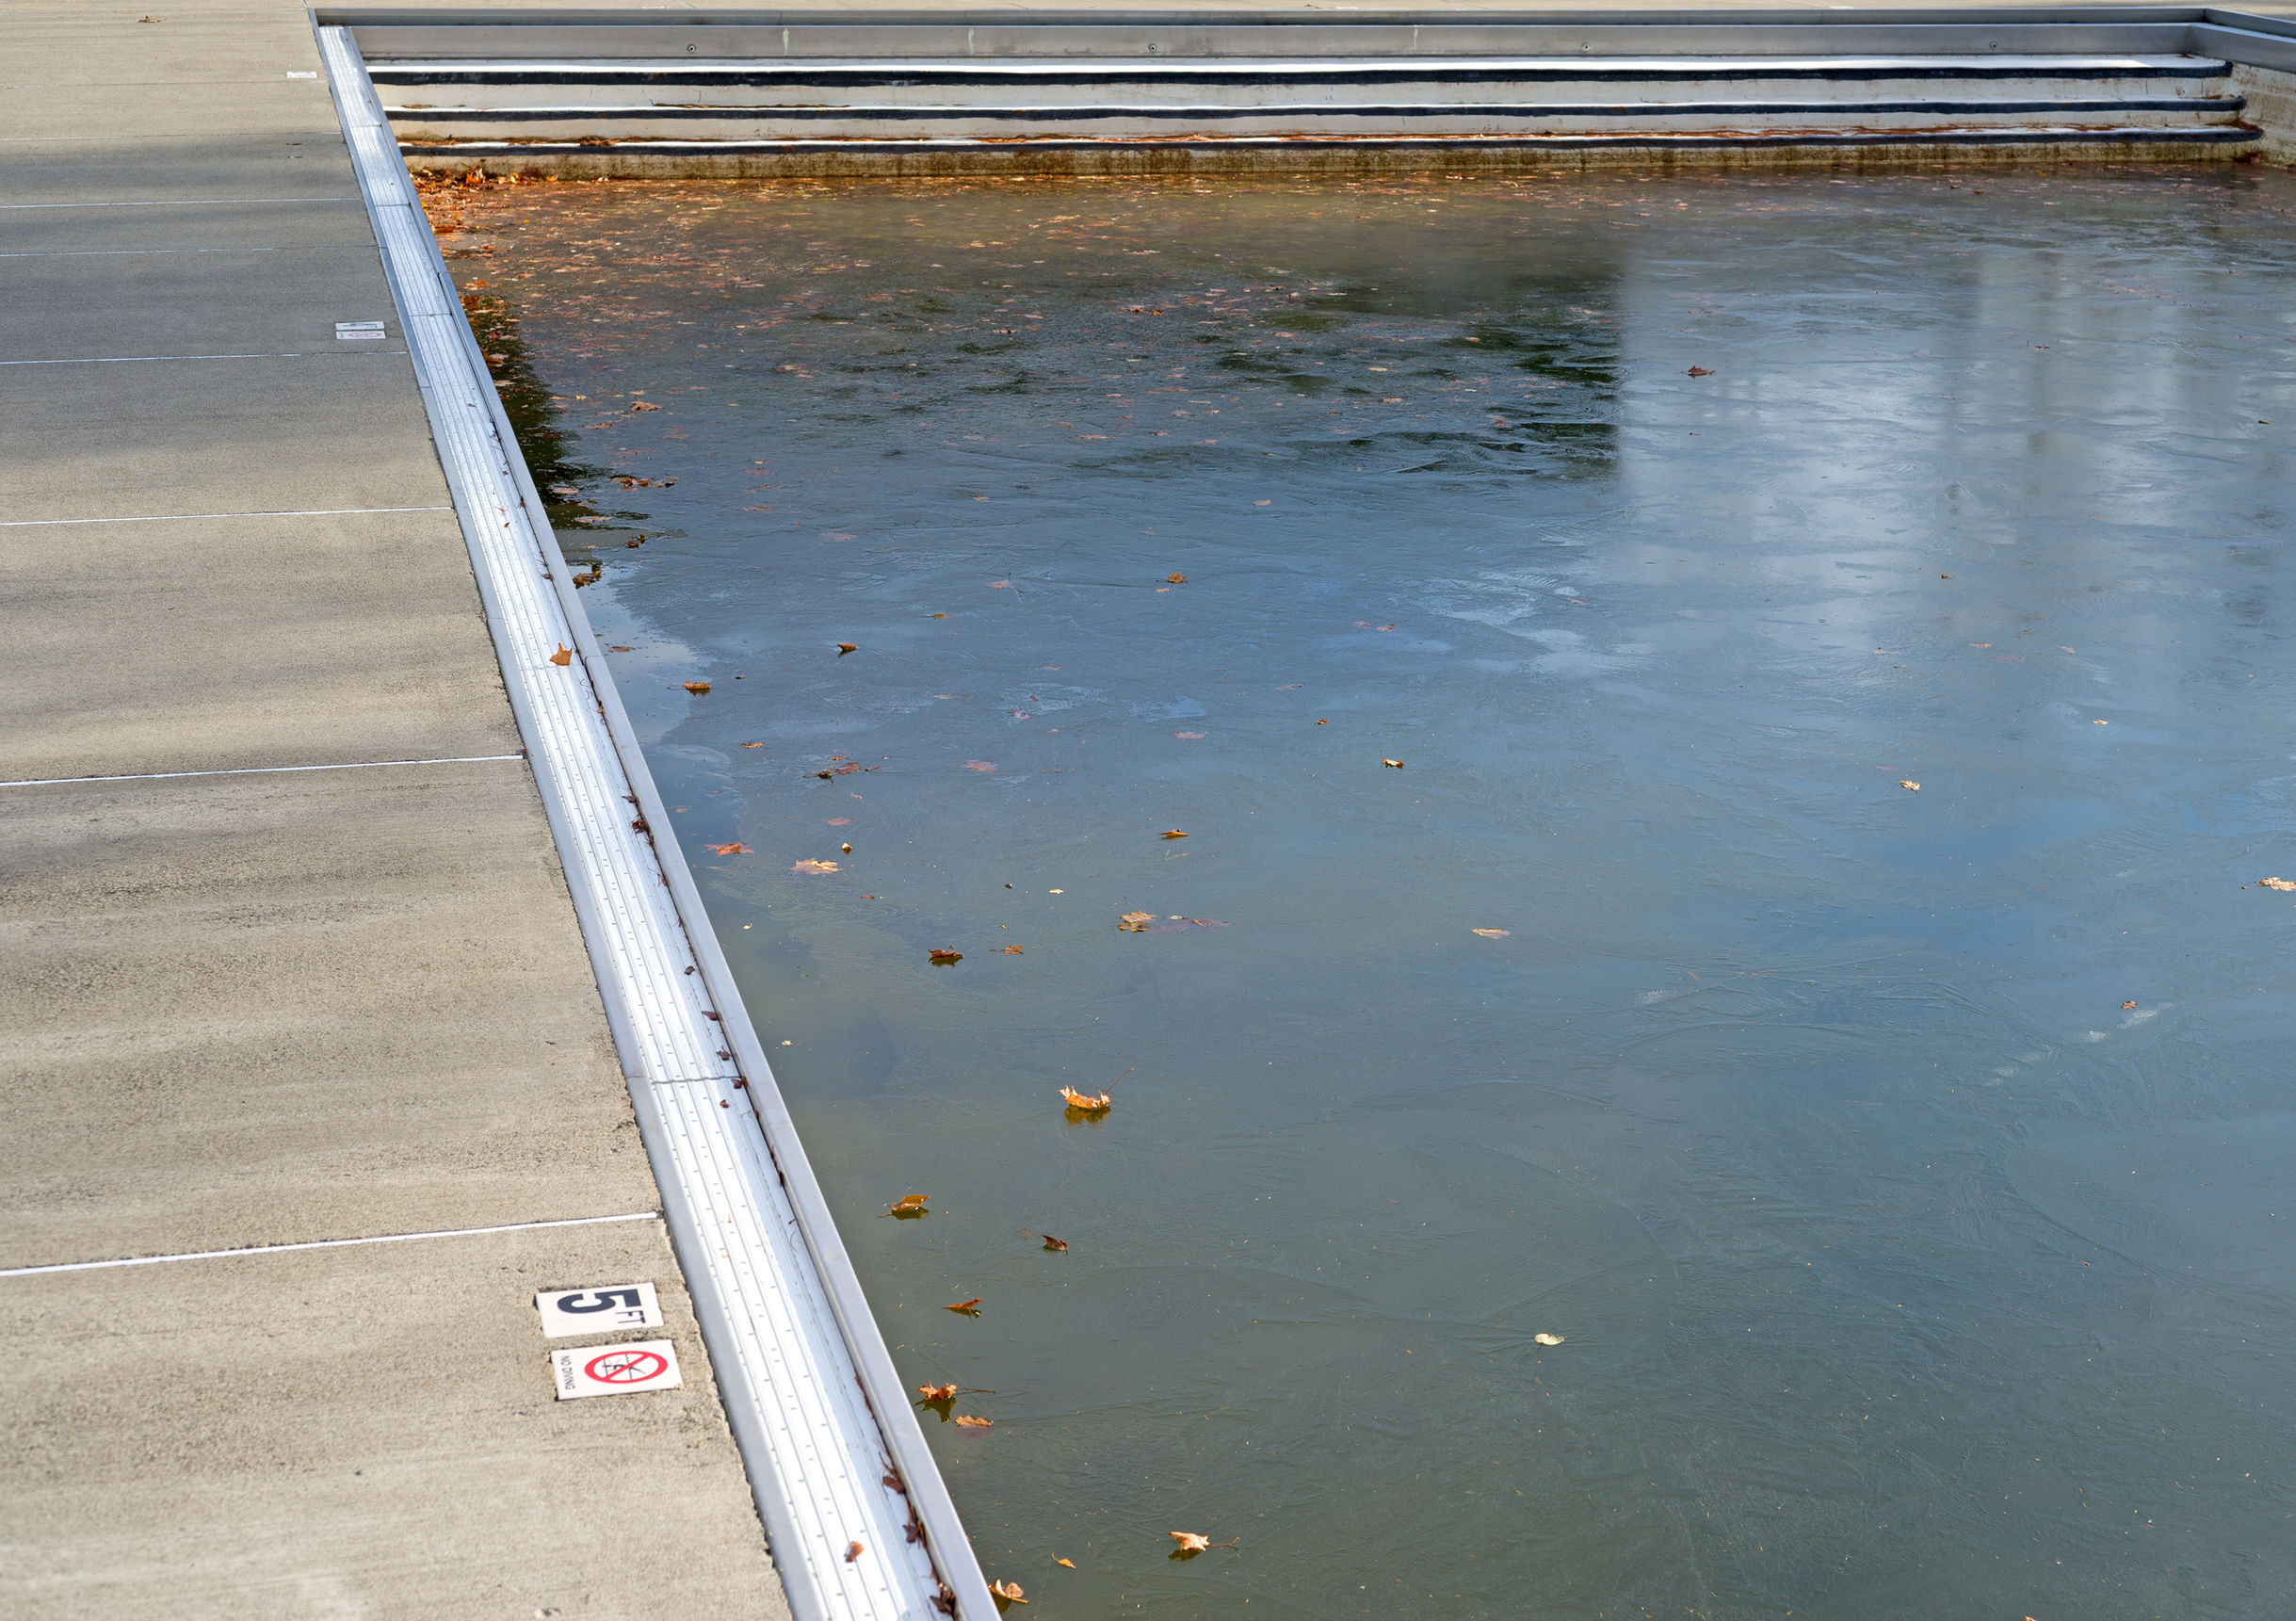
column 1906, row 1171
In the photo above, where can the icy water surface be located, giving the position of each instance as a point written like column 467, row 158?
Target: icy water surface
column 1714, row 1045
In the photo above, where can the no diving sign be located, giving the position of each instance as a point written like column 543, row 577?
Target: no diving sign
column 615, row 1370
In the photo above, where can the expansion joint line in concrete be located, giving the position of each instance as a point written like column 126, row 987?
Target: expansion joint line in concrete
column 324, row 1244
column 835, row 1453
column 363, row 352
column 194, row 517
column 255, row 770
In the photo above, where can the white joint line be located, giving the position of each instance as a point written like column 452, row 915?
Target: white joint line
column 148, row 359
column 812, row 1394
column 325, row 1244
column 194, row 517
column 255, row 770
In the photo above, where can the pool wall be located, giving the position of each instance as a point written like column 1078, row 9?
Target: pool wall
column 811, row 94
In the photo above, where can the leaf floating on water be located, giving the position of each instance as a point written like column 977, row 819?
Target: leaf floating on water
column 616, row 648
column 2276, row 883
column 981, row 765
column 1008, row 1592
column 811, row 866
column 970, row 1308
column 1490, row 933
column 908, row 1205
column 1135, row 922
column 944, row 959
column 697, row 686
column 1912, row 786
column 2125, row 1006
column 1051, row 1242
column 846, row 647
column 1086, row 1103
column 753, row 745
column 1000, row 584
column 1397, row 764
column 1173, row 833
column 1547, row 1338
column 1175, row 580
column 736, row 848
column 1700, row 371
column 1064, row 1562
column 974, row 1420
column 564, row 656
column 938, row 1393
column 1190, row 1542
column 1013, row 950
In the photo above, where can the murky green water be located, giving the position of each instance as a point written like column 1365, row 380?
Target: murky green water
column 1909, row 1174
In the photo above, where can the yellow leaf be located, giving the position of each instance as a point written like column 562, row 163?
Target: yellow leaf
column 810, row 866
column 1064, row 1562
column 974, row 1422
column 1086, row 1102
column 938, row 1393
column 907, row 1204
column 1008, row 1591
column 1175, row 580
column 971, row 1309
column 1174, row 833
column 697, row 686
column 736, row 848
column 1190, row 1542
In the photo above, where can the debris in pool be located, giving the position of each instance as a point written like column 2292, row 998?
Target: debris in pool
column 938, row 1393
column 1490, row 933
column 1700, row 371
column 1909, row 784
column 736, row 848
column 1397, row 764
column 1051, row 1242
column 908, row 1206
column 1173, row 833
column 981, row 765
column 974, row 1420
column 969, row 1307
column 697, row 686
column 1175, row 580
column 1085, row 1103
column 1134, row 922
column 1547, row 1339
column 2125, row 1006
column 1192, row 736
column 1008, row 1591
column 1069, row 1563
column 846, row 647
column 753, row 745
column 942, row 959
column 1013, row 950
column 615, row 647
column 809, row 865
column 847, row 848
column 2276, row 883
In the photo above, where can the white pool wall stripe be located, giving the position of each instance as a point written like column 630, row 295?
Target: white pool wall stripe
column 807, row 1382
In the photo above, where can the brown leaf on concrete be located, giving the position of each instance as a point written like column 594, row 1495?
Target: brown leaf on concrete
column 564, row 656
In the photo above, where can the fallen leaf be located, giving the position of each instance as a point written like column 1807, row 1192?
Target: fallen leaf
column 847, row 849
column 2276, row 883
column 995, row 584
column 1266, row 503
column 974, row 1420
column 823, row 775
column 846, row 647
column 810, row 866
column 1064, row 1562
column 1137, row 922
column 697, row 686
column 1086, row 1103
column 645, row 405
column 1008, row 1591
column 1397, row 764
column 1189, row 1542
column 1013, row 950
column 971, row 1309
column 1547, row 1338
column 1491, row 933
column 980, row 765
column 1190, row 735
column 2125, row 1006
column 938, row 1393
column 564, row 656
column 1051, row 1242
column 614, row 648
column 1173, row 833
column 753, row 745
column 1323, row 723
column 944, row 959
column 841, row 822
column 734, row 848
column 907, row 1204
column 1175, row 580
column 1700, row 371
column 1910, row 783
column 853, row 1551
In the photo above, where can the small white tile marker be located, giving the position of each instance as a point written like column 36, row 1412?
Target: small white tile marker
column 615, row 1370
column 348, row 331
column 602, row 1310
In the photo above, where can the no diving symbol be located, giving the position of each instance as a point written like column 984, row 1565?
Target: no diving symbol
column 626, row 1366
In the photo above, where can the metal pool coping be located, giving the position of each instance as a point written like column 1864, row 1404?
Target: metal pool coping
column 835, row 1454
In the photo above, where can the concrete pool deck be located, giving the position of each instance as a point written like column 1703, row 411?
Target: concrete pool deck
column 255, row 1004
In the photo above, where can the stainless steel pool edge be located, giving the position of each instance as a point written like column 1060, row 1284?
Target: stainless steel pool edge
column 710, row 1161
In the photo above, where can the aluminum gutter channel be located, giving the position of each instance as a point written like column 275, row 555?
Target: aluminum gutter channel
column 834, row 1450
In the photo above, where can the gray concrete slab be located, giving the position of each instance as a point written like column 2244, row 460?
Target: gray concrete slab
column 181, row 226
column 326, row 430
column 361, row 1432
column 275, row 1008
column 336, row 639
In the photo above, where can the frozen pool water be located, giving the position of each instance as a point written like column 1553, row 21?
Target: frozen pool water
column 1907, row 1172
